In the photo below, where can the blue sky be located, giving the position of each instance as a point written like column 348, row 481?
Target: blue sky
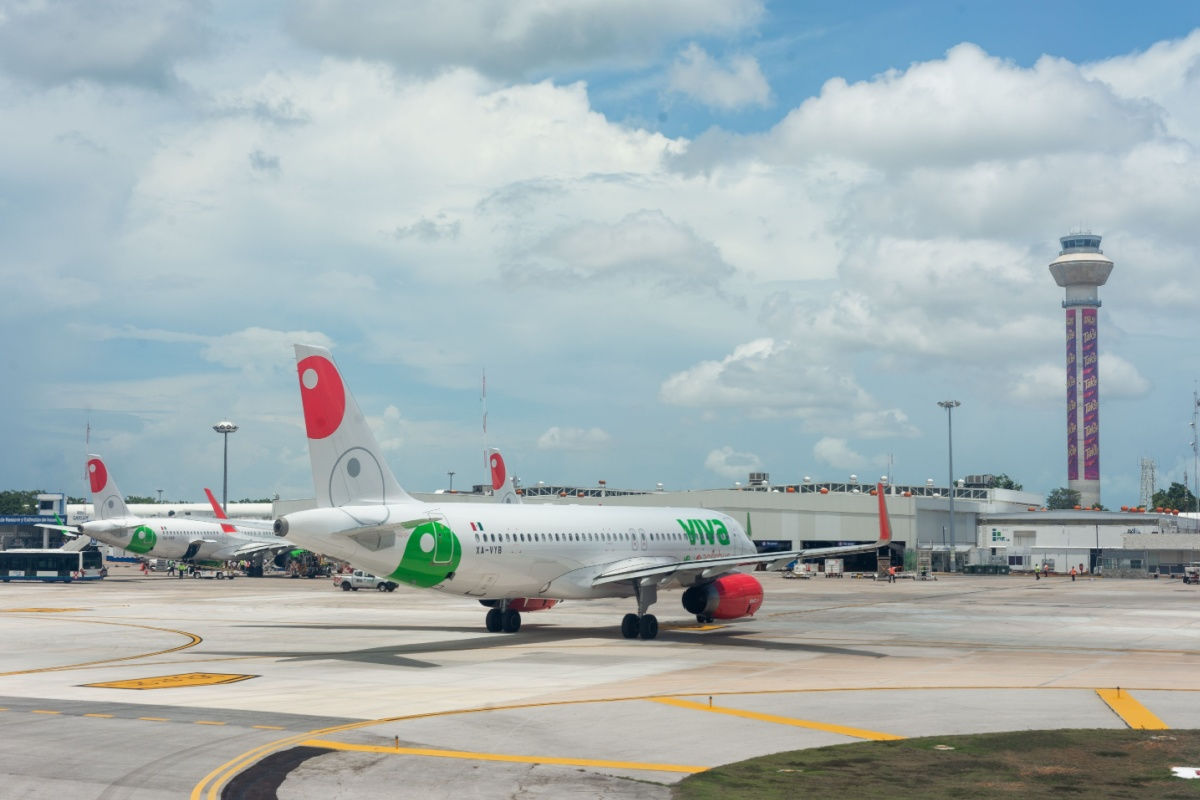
column 686, row 240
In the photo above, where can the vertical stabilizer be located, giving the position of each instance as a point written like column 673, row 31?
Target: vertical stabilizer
column 503, row 487
column 885, row 524
column 107, row 502
column 220, row 512
column 347, row 462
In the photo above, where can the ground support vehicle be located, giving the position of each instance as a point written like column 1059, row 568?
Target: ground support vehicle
column 362, row 580
column 48, row 566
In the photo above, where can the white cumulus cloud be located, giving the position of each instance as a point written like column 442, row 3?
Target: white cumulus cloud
column 728, row 88
column 514, row 38
column 838, row 454
column 728, row 463
column 556, row 438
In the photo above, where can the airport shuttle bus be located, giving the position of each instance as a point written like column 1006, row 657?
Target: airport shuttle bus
column 49, row 566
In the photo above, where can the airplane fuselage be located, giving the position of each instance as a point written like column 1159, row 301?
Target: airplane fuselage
column 176, row 539
column 507, row 551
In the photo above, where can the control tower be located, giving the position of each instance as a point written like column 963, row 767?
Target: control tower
column 1081, row 268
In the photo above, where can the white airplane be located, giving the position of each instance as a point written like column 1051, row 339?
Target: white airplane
column 179, row 538
column 513, row 557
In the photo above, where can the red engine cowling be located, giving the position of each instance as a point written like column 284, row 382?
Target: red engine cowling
column 531, row 604
column 728, row 597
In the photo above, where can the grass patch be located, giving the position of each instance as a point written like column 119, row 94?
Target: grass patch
column 1026, row 765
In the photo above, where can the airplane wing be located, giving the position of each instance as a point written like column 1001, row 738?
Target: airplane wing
column 711, row 567
column 689, row 571
column 259, row 547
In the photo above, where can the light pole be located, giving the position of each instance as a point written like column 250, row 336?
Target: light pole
column 451, row 474
column 225, row 427
column 1196, row 447
column 950, row 405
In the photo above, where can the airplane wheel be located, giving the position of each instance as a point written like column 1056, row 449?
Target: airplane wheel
column 630, row 626
column 512, row 620
column 648, row 626
column 492, row 620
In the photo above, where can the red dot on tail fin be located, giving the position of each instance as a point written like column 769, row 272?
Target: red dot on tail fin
column 498, row 473
column 97, row 475
column 323, row 395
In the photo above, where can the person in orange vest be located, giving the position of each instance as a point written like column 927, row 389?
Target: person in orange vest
column 1072, row 573
column 892, row 574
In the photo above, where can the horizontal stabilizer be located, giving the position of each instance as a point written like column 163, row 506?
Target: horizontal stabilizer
column 68, row 530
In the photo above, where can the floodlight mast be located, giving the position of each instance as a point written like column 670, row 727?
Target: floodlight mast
column 225, row 427
column 950, row 405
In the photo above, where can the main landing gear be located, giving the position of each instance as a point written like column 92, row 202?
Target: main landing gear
column 502, row 618
column 641, row 625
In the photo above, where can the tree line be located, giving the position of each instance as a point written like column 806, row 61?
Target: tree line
column 21, row 501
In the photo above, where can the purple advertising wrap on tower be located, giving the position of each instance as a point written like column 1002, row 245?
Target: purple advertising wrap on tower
column 1091, row 396
column 1072, row 402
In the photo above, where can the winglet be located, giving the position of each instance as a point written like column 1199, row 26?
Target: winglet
column 220, row 512
column 885, row 525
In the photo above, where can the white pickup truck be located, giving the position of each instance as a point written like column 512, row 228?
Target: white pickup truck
column 362, row 580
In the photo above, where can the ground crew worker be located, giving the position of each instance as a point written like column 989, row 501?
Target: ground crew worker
column 892, row 574
column 1072, row 574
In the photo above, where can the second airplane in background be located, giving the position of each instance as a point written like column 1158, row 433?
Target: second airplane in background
column 513, row 557
column 179, row 538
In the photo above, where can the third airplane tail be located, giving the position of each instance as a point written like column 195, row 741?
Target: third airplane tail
column 885, row 524
column 502, row 483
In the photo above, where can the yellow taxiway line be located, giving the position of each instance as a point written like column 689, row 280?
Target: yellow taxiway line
column 857, row 733
column 512, row 759
column 1131, row 712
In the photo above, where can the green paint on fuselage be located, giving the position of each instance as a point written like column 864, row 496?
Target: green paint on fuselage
column 142, row 540
column 432, row 553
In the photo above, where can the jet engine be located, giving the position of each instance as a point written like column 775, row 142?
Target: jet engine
column 728, row 597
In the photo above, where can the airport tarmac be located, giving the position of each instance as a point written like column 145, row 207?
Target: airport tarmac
column 158, row 687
